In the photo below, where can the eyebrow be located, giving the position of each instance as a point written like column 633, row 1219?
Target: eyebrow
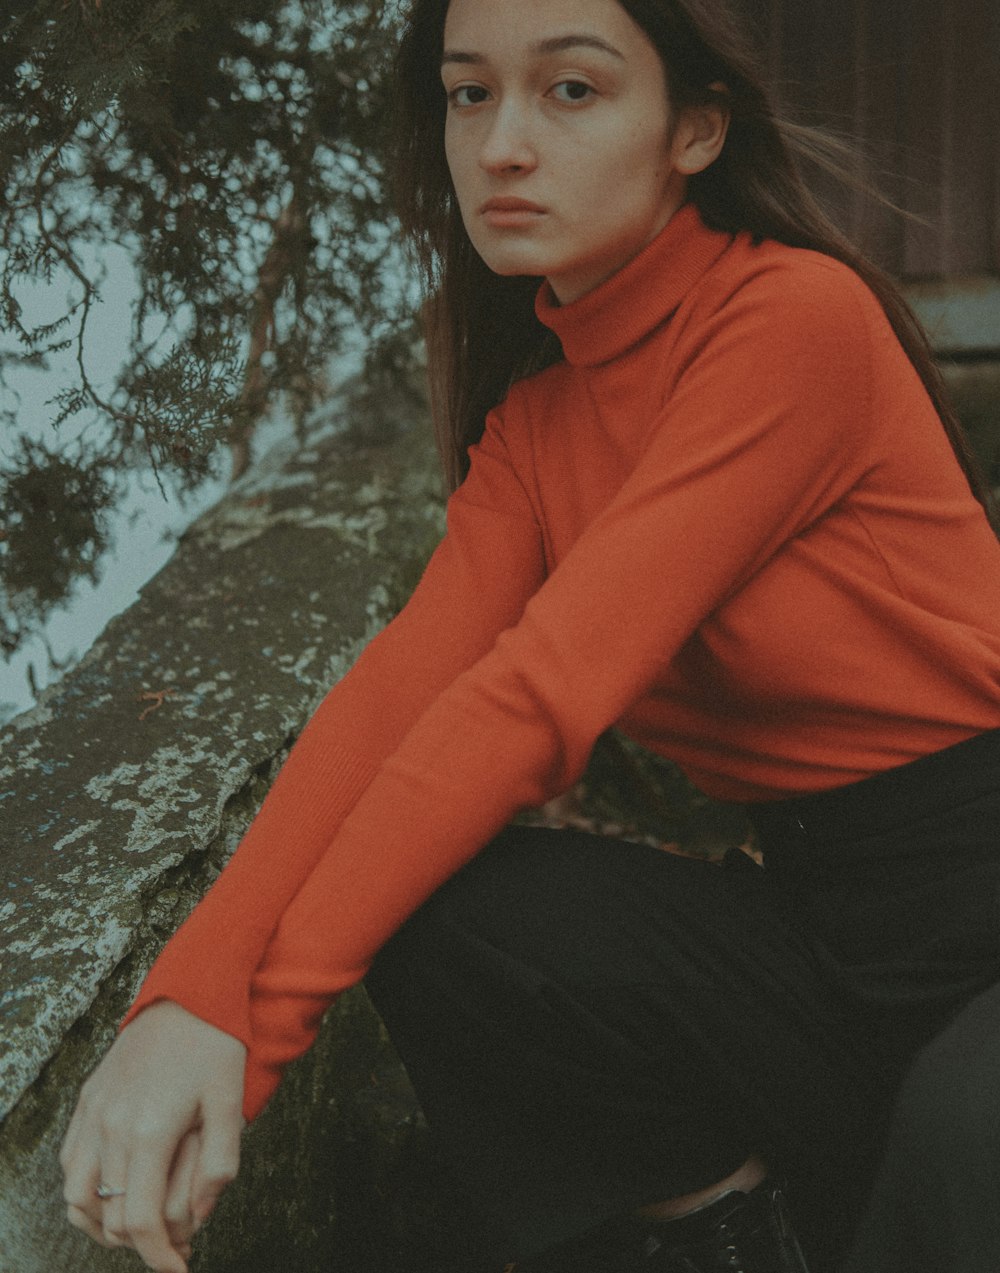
column 555, row 44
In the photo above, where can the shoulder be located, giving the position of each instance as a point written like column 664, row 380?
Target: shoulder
column 529, row 402
column 500, row 472
column 790, row 284
column 775, row 305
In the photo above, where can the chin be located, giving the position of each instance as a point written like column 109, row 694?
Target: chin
column 511, row 259
column 511, row 267
column 513, row 271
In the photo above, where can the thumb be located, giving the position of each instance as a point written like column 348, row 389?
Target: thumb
column 219, row 1159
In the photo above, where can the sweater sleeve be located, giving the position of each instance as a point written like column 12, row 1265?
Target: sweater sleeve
column 762, row 433
column 476, row 584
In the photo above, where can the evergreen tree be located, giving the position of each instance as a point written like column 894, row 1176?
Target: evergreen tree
column 231, row 147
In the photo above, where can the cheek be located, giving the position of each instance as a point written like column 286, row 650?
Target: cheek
column 647, row 149
column 629, row 153
column 455, row 156
column 462, row 182
column 450, row 155
column 645, row 169
column 633, row 171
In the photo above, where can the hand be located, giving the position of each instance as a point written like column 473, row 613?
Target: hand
column 160, row 1119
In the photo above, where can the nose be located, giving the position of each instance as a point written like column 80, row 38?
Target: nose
column 508, row 145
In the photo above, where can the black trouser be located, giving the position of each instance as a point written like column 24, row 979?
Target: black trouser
column 591, row 1024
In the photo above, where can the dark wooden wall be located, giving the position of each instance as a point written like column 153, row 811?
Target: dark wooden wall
column 918, row 83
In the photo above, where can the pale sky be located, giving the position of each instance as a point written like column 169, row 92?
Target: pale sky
column 145, row 528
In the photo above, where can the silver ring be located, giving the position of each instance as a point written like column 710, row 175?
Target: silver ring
column 104, row 1192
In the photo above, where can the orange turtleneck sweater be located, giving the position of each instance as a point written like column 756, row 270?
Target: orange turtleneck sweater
column 728, row 522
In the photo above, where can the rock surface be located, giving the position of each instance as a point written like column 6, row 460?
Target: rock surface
column 123, row 793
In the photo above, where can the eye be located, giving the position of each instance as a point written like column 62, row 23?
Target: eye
column 571, row 91
column 468, row 95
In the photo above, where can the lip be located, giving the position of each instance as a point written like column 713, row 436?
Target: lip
column 510, row 213
column 510, row 205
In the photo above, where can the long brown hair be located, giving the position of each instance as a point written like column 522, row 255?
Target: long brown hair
column 482, row 333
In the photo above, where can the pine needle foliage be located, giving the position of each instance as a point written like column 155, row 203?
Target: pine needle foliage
column 232, row 149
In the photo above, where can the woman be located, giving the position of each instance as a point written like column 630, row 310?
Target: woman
column 707, row 490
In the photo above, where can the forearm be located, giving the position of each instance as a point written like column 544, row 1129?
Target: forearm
column 475, row 585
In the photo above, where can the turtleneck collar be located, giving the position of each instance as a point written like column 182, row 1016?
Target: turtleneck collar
column 642, row 295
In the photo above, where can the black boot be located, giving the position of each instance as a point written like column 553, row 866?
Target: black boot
column 738, row 1233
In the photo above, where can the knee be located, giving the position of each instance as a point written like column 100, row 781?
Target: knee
column 469, row 910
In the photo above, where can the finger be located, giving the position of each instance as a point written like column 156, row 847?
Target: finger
column 82, row 1175
column 219, row 1159
column 149, row 1164
column 111, row 1211
column 178, row 1212
column 68, row 1148
column 81, row 1220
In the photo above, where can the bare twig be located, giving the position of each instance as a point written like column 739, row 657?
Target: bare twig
column 155, row 699
column 289, row 228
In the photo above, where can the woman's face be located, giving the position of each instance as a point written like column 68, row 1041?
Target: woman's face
column 559, row 137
